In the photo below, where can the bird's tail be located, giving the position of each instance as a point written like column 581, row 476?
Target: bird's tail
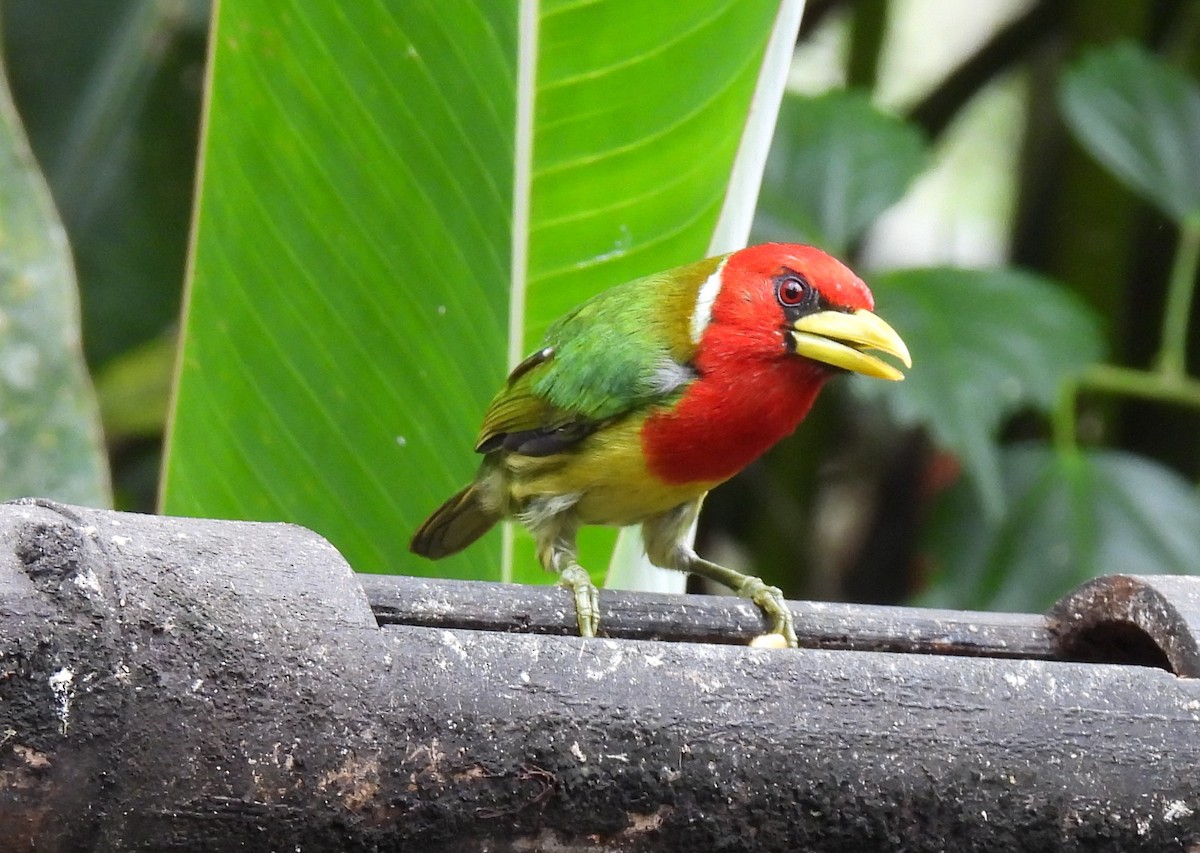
column 454, row 525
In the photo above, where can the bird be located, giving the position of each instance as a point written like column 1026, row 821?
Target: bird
column 647, row 396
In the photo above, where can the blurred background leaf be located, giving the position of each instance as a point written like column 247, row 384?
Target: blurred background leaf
column 977, row 372
column 1141, row 119
column 50, row 441
column 110, row 93
column 838, row 162
column 1071, row 517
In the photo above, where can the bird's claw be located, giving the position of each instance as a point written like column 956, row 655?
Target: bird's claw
column 587, row 598
column 771, row 601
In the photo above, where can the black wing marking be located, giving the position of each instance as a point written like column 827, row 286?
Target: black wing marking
column 543, row 441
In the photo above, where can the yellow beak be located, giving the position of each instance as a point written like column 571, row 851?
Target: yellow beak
column 839, row 339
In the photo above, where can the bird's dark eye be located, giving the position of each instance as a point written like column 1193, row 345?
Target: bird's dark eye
column 793, row 290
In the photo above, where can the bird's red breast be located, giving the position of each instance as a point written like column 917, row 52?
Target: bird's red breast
column 729, row 417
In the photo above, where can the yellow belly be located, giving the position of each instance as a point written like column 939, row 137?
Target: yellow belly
column 607, row 470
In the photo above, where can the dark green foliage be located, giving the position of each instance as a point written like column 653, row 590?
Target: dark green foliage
column 836, row 163
column 986, row 345
column 1141, row 119
column 110, row 91
column 1070, row 517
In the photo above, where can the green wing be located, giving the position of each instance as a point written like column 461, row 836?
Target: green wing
column 625, row 349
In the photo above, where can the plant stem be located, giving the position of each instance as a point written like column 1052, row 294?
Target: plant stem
column 1063, row 425
column 1172, row 357
column 1163, row 386
column 1169, row 382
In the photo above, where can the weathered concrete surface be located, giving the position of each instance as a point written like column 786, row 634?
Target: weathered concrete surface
column 173, row 684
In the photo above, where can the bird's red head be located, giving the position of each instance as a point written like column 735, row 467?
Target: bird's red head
column 783, row 299
column 770, row 325
column 752, row 278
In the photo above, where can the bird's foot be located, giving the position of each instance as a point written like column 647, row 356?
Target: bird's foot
column 587, row 598
column 771, row 601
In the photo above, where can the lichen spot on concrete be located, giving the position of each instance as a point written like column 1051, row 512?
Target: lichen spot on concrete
column 61, row 688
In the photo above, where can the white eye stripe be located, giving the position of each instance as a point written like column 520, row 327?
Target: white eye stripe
column 705, row 297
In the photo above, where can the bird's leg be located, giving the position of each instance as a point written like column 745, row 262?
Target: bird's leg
column 556, row 551
column 666, row 537
column 587, row 598
column 768, row 598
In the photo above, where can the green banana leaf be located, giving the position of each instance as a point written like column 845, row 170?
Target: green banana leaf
column 397, row 198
